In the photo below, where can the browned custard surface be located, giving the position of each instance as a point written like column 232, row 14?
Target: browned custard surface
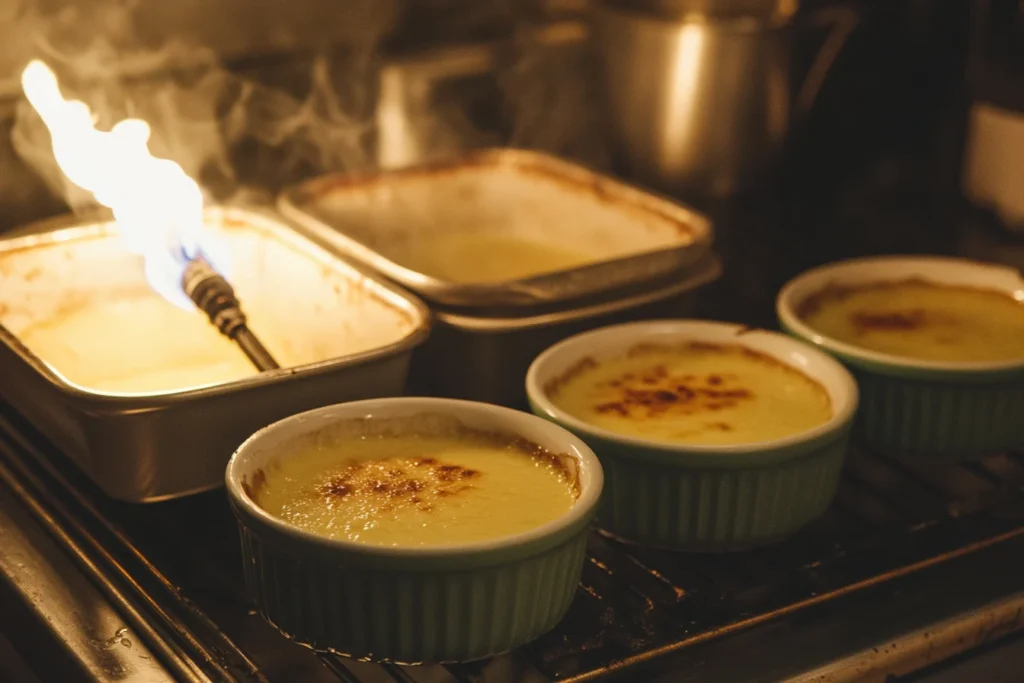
column 915, row 318
column 693, row 392
column 416, row 489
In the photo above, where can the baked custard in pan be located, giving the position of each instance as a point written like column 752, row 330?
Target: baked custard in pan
column 479, row 256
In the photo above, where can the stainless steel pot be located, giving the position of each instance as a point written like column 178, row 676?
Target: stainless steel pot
column 699, row 102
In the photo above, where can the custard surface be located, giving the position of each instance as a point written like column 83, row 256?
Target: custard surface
column 693, row 393
column 467, row 257
column 415, row 490
column 922, row 320
column 136, row 344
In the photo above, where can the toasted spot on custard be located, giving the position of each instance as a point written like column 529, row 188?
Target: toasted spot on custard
column 668, row 392
column 915, row 318
column 337, row 487
column 892, row 320
column 455, row 473
column 708, row 346
column 685, row 394
column 252, row 488
column 553, row 386
column 612, row 407
column 396, row 482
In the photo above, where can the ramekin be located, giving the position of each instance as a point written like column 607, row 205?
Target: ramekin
column 707, row 498
column 920, row 409
column 414, row 604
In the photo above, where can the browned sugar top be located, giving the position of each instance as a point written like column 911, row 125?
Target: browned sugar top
column 657, row 391
column 691, row 391
column 399, row 482
column 884, row 319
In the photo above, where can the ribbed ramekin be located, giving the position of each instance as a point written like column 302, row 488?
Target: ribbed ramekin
column 414, row 604
column 707, row 498
column 913, row 408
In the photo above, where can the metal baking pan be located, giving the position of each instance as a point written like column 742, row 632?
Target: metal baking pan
column 632, row 236
column 340, row 334
column 485, row 359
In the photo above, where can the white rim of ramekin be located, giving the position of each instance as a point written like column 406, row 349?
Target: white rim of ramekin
column 591, row 476
column 995, row 276
column 801, row 356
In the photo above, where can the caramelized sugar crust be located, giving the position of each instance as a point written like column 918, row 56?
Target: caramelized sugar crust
column 403, row 480
column 399, row 482
column 684, row 391
column 917, row 318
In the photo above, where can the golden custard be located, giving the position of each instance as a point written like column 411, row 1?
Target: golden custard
column 693, row 393
column 919, row 319
column 415, row 489
column 486, row 257
column 186, row 352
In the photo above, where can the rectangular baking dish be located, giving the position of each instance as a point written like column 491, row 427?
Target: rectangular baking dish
column 341, row 334
column 634, row 236
column 485, row 358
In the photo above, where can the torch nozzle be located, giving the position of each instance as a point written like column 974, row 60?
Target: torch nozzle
column 214, row 296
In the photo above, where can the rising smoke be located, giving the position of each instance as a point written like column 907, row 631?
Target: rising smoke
column 551, row 95
column 209, row 79
column 221, row 121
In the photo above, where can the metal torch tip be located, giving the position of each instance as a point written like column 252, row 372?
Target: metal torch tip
column 213, row 295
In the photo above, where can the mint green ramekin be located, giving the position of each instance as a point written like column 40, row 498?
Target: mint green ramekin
column 915, row 409
column 706, row 498
column 414, row 604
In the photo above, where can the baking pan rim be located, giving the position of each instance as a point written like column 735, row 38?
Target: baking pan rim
column 517, row 292
column 69, row 226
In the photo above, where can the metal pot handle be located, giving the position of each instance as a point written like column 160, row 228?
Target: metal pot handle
column 839, row 21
